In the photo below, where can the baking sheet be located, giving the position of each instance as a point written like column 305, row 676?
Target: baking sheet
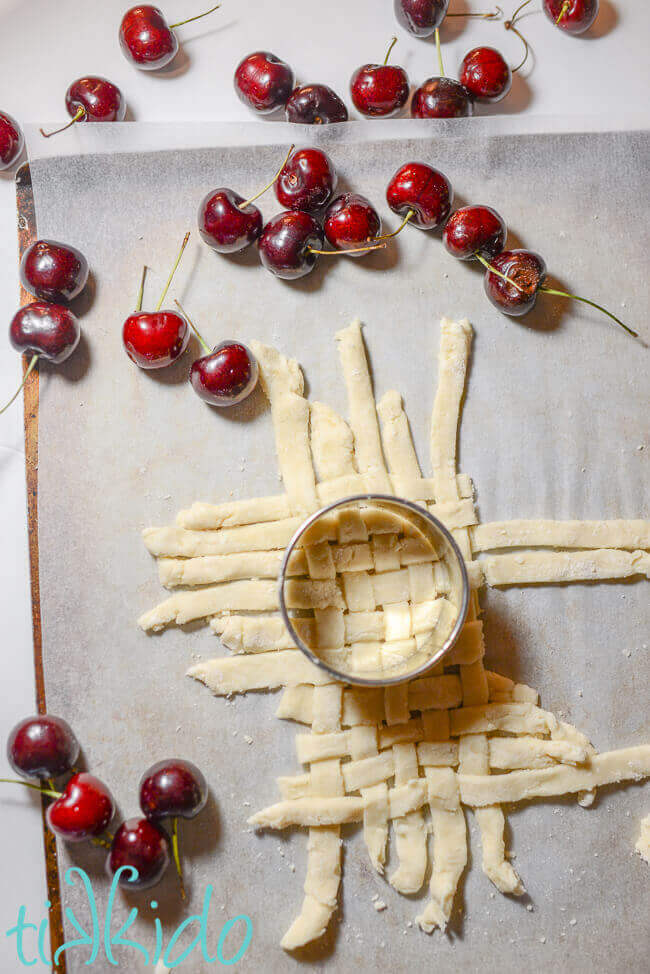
column 555, row 425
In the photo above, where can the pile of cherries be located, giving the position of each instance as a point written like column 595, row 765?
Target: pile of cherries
column 44, row 748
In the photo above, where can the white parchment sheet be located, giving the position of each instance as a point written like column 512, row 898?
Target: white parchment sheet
column 555, row 425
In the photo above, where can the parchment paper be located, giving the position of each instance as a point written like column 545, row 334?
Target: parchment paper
column 555, row 425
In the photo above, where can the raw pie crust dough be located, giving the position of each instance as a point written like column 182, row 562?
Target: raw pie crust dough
column 411, row 755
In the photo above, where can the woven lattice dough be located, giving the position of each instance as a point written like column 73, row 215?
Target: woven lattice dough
column 406, row 759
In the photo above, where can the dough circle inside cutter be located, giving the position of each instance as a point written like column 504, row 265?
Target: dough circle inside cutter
column 373, row 589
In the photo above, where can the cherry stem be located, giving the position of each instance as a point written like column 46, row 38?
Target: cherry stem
column 523, row 41
column 439, row 53
column 138, row 306
column 493, row 270
column 177, row 857
column 193, row 327
column 198, row 17
column 510, row 23
column 575, row 297
column 28, row 784
column 346, row 250
column 81, row 111
column 251, row 199
column 390, row 48
column 387, row 236
column 173, row 271
column 496, row 13
column 30, row 368
column 565, row 7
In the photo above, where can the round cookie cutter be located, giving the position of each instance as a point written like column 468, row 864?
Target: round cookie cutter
column 422, row 522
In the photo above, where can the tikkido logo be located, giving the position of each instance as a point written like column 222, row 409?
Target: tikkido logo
column 31, row 938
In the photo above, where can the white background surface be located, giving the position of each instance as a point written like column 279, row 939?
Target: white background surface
column 44, row 45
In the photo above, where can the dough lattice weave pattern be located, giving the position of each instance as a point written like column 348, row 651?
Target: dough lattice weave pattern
column 408, row 757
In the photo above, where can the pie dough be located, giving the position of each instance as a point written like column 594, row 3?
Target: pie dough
column 643, row 842
column 410, row 758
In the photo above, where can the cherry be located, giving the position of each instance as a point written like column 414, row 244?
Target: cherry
column 147, row 40
column 289, row 244
column 572, row 16
column 441, row 97
column 306, row 181
column 227, row 222
column 514, row 278
column 380, row 90
column 485, row 74
column 224, row 376
column 421, row 17
column 315, row 105
column 175, row 788
column 263, row 82
column 82, row 810
column 421, row 194
column 42, row 747
column 44, row 330
column 144, row 847
column 155, row 339
column 351, row 221
column 11, row 141
column 474, row 230
column 53, row 271
column 92, row 99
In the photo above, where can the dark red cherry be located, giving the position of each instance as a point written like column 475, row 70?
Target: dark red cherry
column 142, row 845
column 287, row 243
column 315, row 105
column 485, row 74
column 423, row 190
column 146, row 39
column 572, row 16
column 441, row 98
column 263, row 82
column 224, row 225
column 379, row 90
column 174, row 787
column 474, row 230
column 47, row 330
column 155, row 339
column 350, row 222
column 526, row 272
column 42, row 747
column 83, row 810
column 306, row 181
column 11, row 141
column 98, row 99
column 421, row 17
column 224, row 376
column 53, row 271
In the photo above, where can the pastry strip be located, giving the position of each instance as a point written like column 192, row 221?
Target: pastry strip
column 630, row 535
column 536, row 567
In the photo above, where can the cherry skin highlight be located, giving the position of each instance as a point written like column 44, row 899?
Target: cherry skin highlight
column 575, row 16
column 155, row 339
column 49, row 331
column 53, row 271
column 474, row 230
column 11, row 141
column 263, row 82
column 350, row 222
column 421, row 17
column 84, row 809
column 224, row 377
column 526, row 269
column 315, row 105
column 485, row 74
column 285, row 242
column 146, row 39
column 307, row 181
column 42, row 747
column 224, row 225
column 379, row 90
column 173, row 788
column 422, row 189
column 142, row 845
column 441, row 98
